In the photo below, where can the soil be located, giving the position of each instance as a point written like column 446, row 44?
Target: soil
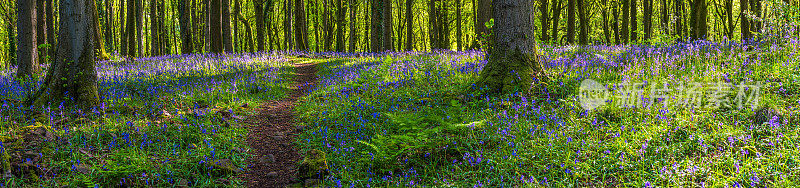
column 272, row 131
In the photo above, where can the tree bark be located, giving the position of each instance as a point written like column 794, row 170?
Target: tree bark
column 433, row 34
column 301, row 26
column 699, row 16
column 606, row 29
column 484, row 14
column 227, row 42
column 340, row 24
column 41, row 29
column 352, row 32
column 51, row 27
column 634, row 24
column 571, row 21
column 745, row 27
column 215, row 31
column 511, row 60
column 287, row 25
column 458, row 25
column 648, row 19
column 72, row 75
column 615, row 25
column 544, row 19
column 583, row 35
column 409, row 25
column 376, row 33
column 155, row 40
column 139, row 28
column 387, row 41
column 556, row 17
column 665, row 17
column 625, row 20
column 27, row 53
column 185, row 23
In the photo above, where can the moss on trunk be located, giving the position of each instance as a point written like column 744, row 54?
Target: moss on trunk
column 509, row 70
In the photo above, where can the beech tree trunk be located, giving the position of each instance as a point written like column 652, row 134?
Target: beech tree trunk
column 185, row 23
column 571, row 21
column 387, row 41
column 72, row 74
column 376, row 23
column 352, row 32
column 484, row 14
column 409, row 26
column 556, row 16
column 215, row 31
column 634, row 24
column 458, row 25
column 340, row 24
column 699, row 17
column 41, row 29
column 615, row 25
column 544, row 19
column 583, row 35
column 27, row 53
column 227, row 42
column 511, row 60
column 625, row 20
column 301, row 26
column 648, row 19
column 287, row 25
column 745, row 27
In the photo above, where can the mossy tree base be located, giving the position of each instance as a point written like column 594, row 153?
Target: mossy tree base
column 509, row 71
column 72, row 77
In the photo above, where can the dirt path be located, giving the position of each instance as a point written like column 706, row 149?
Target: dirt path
column 272, row 134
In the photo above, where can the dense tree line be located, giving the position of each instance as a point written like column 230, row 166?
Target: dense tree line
column 137, row 28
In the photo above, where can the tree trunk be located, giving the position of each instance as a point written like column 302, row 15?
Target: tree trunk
column 301, row 27
column 511, row 60
column 544, row 19
column 109, row 25
column 27, row 53
column 615, row 26
column 227, row 42
column 484, row 14
column 433, row 34
column 340, row 24
column 745, row 28
column 556, row 16
column 131, row 29
column 409, row 25
column 634, row 24
column 376, row 33
column 625, row 18
column 388, row 43
column 140, row 28
column 98, row 38
column 458, row 25
column 729, row 15
column 755, row 9
column 648, row 19
column 155, row 43
column 72, row 74
column 583, row 36
column 571, row 21
column 287, row 25
column 185, row 23
column 679, row 18
column 699, row 17
column 444, row 26
column 41, row 26
column 215, row 31
column 12, row 47
column 51, row 25
column 352, row 32
column 664, row 17
column 606, row 29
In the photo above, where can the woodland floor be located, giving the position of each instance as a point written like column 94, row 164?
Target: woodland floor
column 272, row 132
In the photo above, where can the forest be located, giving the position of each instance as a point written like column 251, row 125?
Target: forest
column 399, row 93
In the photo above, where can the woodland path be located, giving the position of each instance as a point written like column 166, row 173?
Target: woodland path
column 272, row 132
